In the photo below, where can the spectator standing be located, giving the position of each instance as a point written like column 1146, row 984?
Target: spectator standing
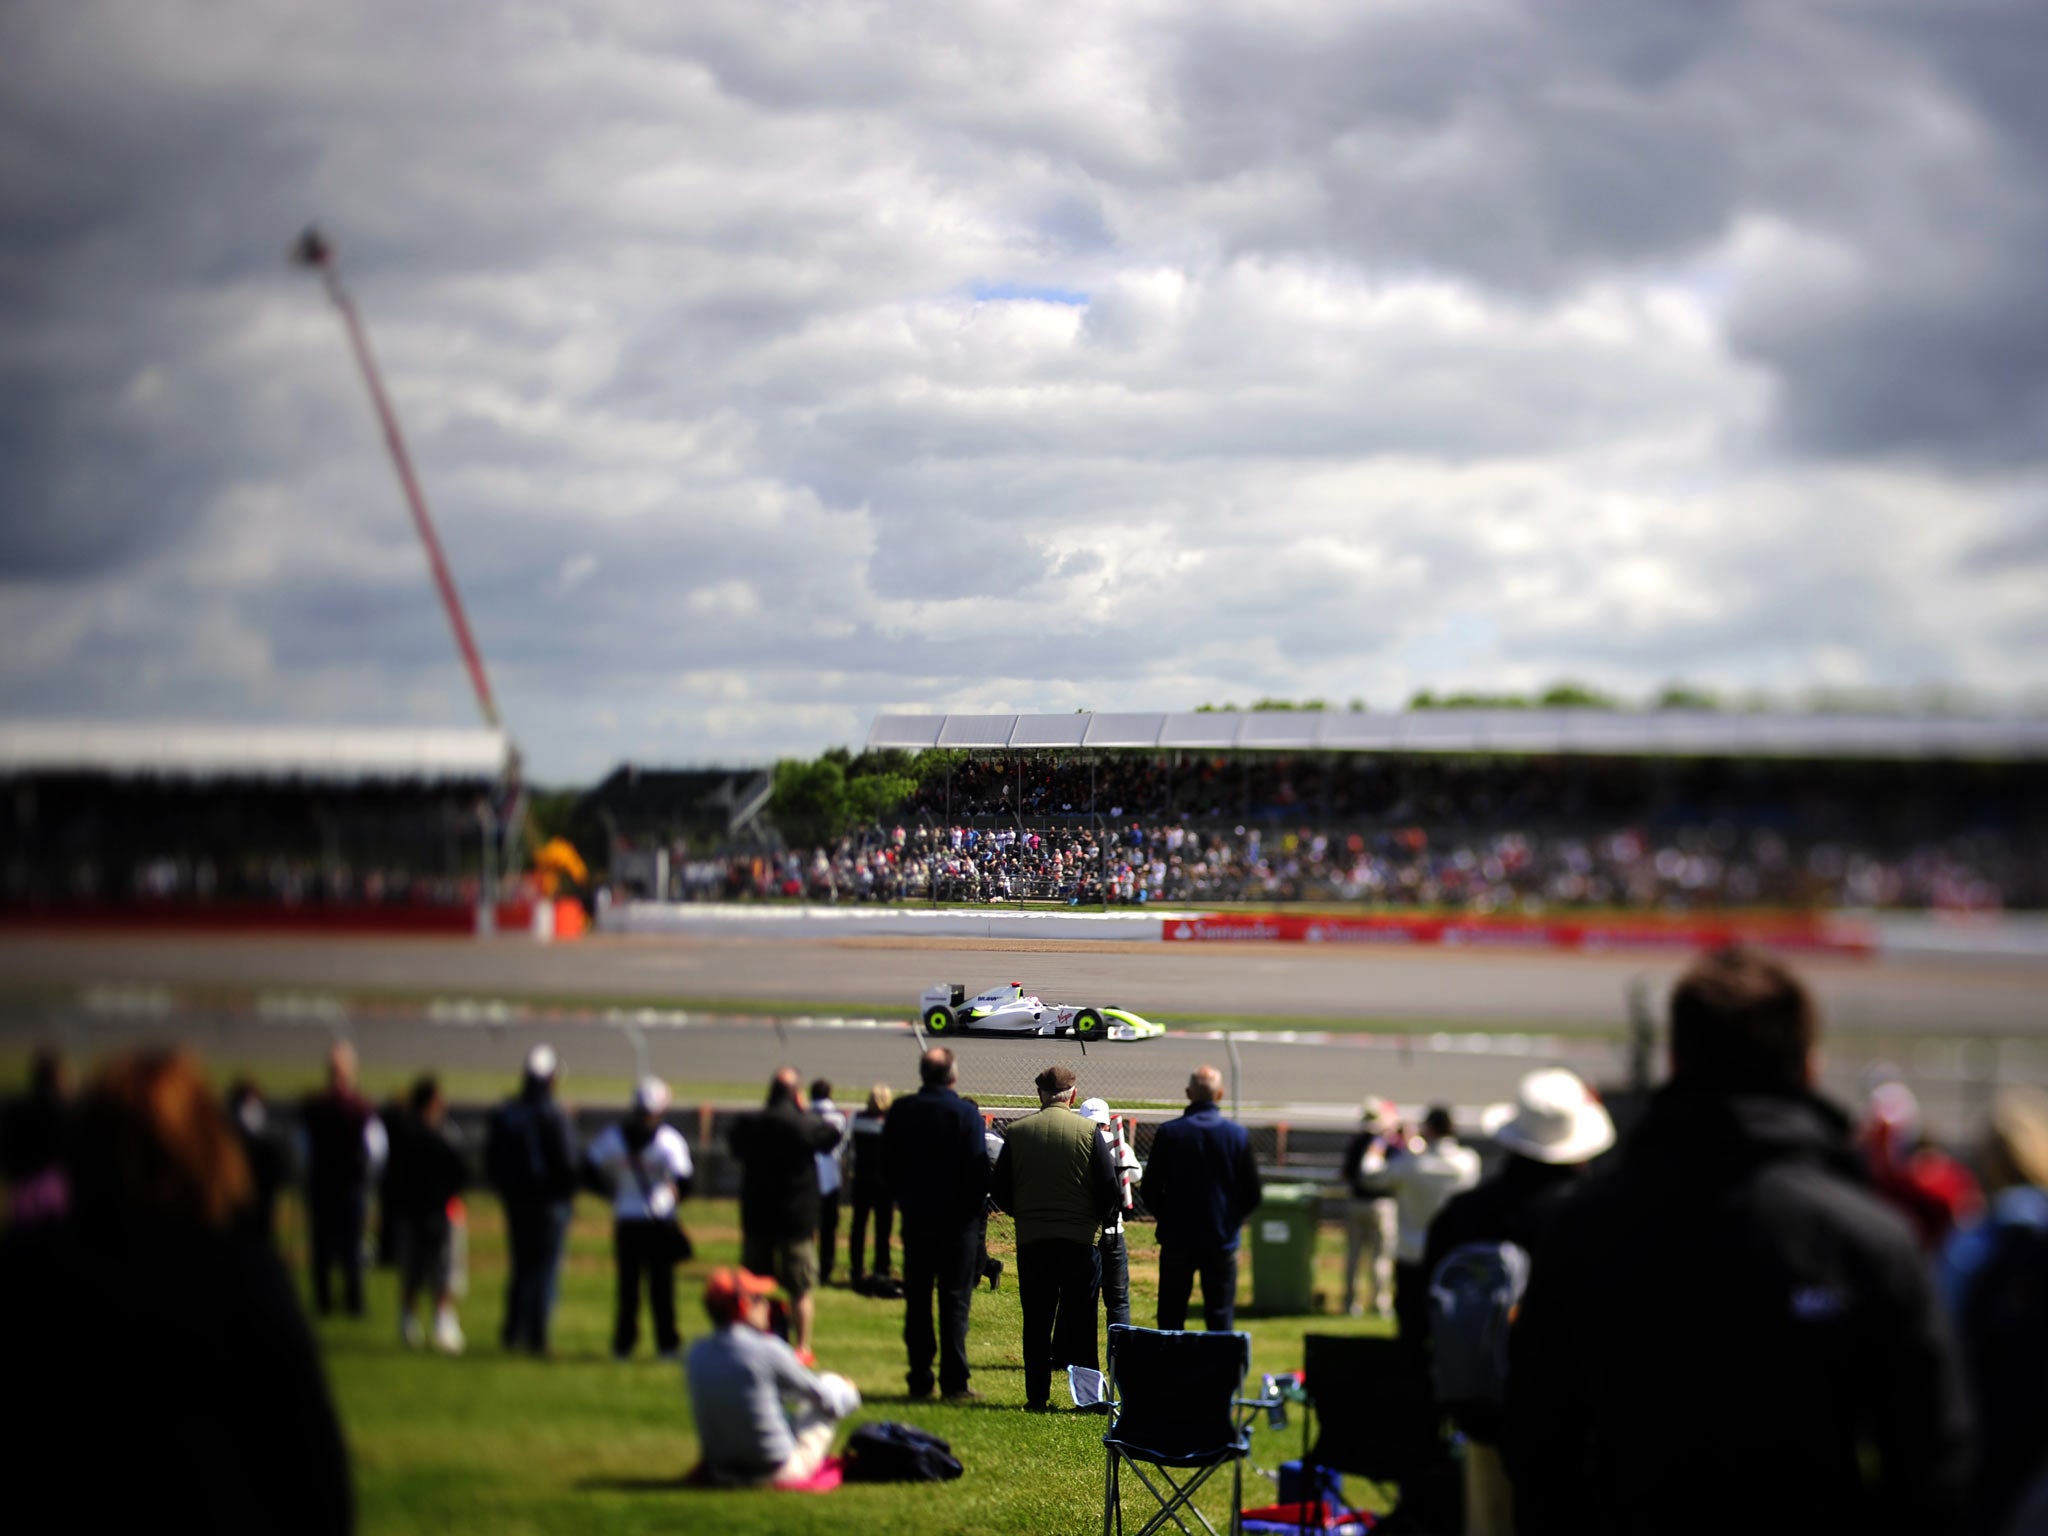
column 1421, row 1178
column 1994, row 1278
column 1731, row 1295
column 1933, row 1191
column 1116, row 1261
column 424, row 1185
column 762, row 1416
column 1057, row 1176
column 777, row 1147
column 870, row 1188
column 937, row 1167
column 264, row 1154
column 644, row 1166
column 345, row 1146
column 156, row 1356
column 831, row 1177
column 1201, row 1184
column 33, row 1142
column 530, row 1158
column 1370, row 1233
column 390, row 1119
column 986, row 1265
column 1557, row 1129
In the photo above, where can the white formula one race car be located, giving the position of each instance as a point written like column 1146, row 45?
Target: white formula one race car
column 1010, row 1010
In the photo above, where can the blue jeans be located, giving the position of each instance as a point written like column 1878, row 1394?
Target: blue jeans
column 1177, row 1270
column 537, row 1231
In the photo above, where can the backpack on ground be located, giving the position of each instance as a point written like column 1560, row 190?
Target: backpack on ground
column 1472, row 1301
column 880, row 1287
column 889, row 1452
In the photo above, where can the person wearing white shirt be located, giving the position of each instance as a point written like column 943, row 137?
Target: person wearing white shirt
column 1421, row 1179
column 1116, row 1264
column 645, row 1165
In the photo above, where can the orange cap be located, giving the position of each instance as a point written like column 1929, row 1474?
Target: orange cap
column 727, row 1286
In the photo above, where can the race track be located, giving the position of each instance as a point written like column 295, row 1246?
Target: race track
column 1221, row 983
column 1407, row 1024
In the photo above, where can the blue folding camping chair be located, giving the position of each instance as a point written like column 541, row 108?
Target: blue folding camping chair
column 1177, row 1406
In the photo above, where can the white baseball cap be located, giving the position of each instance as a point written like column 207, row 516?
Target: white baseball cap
column 1096, row 1110
column 651, row 1097
column 1557, row 1120
column 540, row 1062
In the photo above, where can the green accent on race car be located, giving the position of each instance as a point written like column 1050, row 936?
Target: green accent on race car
column 1143, row 1027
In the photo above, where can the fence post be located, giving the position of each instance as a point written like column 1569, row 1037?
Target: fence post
column 1236, row 1075
column 638, row 1039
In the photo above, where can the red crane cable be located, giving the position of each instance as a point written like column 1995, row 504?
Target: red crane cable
column 312, row 250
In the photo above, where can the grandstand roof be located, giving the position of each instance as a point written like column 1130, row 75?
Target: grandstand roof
column 1533, row 732
column 250, row 751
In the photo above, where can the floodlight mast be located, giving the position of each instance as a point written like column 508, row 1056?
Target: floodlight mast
column 312, row 250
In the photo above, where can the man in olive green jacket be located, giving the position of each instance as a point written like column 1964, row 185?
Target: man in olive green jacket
column 1058, row 1178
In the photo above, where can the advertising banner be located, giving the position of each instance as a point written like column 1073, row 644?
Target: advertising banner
column 1810, row 935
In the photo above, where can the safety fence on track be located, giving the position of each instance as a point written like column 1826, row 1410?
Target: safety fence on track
column 1287, row 1083
column 2011, row 937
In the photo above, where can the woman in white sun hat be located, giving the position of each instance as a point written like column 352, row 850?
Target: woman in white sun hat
column 1558, row 1126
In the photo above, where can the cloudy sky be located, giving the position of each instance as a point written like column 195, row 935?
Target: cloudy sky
column 769, row 365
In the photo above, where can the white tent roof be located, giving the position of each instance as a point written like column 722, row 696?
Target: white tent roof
column 1533, row 732
column 250, row 751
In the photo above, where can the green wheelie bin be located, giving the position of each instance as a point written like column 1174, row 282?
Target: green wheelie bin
column 1283, row 1243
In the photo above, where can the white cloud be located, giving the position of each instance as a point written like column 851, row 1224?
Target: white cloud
column 763, row 374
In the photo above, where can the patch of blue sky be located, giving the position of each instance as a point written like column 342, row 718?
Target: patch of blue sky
column 1035, row 293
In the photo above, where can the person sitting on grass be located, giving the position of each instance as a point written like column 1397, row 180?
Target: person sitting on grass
column 743, row 1384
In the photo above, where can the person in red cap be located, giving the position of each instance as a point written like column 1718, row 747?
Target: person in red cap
column 761, row 1416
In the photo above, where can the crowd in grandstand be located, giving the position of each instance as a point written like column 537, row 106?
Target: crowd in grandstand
column 1472, row 834
column 1477, row 835
column 1137, row 863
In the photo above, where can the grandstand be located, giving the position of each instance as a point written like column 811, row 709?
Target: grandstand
column 1483, row 810
column 128, row 817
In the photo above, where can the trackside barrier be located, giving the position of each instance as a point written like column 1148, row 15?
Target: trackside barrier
column 1916, row 936
column 809, row 922
column 1827, row 935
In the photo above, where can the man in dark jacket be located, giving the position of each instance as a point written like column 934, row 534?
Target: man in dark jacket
column 426, row 1176
column 937, row 1167
column 870, row 1186
column 1057, row 1176
column 778, row 1148
column 1730, row 1302
column 340, row 1127
column 530, row 1157
column 1201, row 1184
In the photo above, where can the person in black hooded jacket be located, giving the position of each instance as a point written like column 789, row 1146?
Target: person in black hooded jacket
column 1727, row 1329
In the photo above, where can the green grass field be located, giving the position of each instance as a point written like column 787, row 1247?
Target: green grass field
column 497, row 1443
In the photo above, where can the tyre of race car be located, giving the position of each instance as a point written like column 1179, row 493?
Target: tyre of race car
column 938, row 1021
column 1087, row 1023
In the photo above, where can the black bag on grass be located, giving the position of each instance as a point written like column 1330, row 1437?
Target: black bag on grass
column 889, row 1452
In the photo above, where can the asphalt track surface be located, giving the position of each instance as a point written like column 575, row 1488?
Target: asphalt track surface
column 1220, row 982
column 1414, row 1017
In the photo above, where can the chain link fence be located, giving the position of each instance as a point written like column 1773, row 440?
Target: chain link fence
column 1299, row 1091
